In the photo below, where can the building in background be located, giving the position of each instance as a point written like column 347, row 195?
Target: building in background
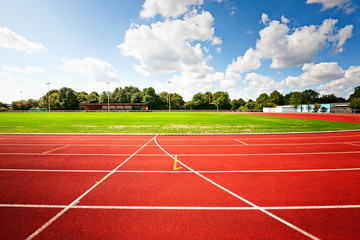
column 114, row 106
column 309, row 108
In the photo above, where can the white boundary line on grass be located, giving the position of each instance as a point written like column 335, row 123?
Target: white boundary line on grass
column 178, row 172
column 178, row 207
column 241, row 198
column 76, row 201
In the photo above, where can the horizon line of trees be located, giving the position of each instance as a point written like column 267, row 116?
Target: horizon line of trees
column 67, row 99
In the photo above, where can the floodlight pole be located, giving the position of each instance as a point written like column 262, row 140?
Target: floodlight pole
column 108, row 95
column 21, row 95
column 48, row 97
column 169, row 97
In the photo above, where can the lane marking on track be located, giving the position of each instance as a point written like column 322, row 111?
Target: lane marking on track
column 186, row 155
column 354, row 144
column 242, row 199
column 240, row 142
column 214, row 171
column 186, row 145
column 175, row 162
column 76, row 201
column 179, row 207
column 52, row 150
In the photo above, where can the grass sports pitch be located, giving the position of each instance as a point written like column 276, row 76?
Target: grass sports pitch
column 160, row 123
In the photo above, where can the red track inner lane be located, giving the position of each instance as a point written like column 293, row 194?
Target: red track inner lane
column 173, row 198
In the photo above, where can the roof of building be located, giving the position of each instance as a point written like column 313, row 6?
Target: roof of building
column 113, row 104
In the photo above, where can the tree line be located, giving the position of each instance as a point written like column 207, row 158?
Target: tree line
column 67, row 99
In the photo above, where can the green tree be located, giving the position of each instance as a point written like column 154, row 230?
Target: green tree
column 287, row 98
column 276, row 98
column 93, row 97
column 82, row 97
column 262, row 101
column 236, row 104
column 200, row 101
column 222, row 100
column 68, row 98
column 151, row 98
column 310, row 96
column 330, row 98
column 355, row 103
column 130, row 91
column 20, row 105
column 103, row 98
column 355, row 94
column 137, row 97
column 296, row 99
column 177, row 101
column 119, row 96
column 3, row 107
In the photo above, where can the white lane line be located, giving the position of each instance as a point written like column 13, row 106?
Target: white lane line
column 76, row 201
column 353, row 144
column 186, row 145
column 187, row 155
column 144, row 171
column 178, row 207
column 239, row 142
column 241, row 198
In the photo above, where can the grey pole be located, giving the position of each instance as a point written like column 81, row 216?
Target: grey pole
column 169, row 97
column 108, row 95
column 48, row 97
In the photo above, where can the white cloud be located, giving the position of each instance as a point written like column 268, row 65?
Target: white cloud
column 262, row 84
column 250, row 61
column 327, row 4
column 93, row 68
column 9, row 39
column 4, row 75
column 300, row 45
column 141, row 70
column 265, row 18
column 344, row 85
column 167, row 8
column 27, row 69
column 166, row 47
column 316, row 74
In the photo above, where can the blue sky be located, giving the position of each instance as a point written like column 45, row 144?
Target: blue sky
column 242, row 47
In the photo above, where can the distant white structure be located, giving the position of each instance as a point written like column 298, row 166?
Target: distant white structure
column 325, row 108
column 280, row 109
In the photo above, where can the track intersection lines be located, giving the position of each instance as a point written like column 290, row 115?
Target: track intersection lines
column 271, row 186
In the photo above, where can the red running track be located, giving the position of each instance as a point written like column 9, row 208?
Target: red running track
column 286, row 186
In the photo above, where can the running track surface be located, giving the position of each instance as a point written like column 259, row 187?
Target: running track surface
column 286, row 186
column 353, row 118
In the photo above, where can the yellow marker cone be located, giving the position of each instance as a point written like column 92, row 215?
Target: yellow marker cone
column 175, row 162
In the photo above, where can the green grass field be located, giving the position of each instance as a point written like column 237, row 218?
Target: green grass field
column 160, row 122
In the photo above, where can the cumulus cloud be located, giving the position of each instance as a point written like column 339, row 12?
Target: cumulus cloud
column 167, row 8
column 316, row 74
column 141, row 70
column 262, row 84
column 4, row 75
column 167, row 47
column 27, row 69
column 344, row 85
column 9, row 39
column 250, row 61
column 300, row 45
column 347, row 5
column 93, row 68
